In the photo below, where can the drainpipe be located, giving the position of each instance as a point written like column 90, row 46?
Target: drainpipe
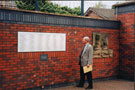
column 116, row 13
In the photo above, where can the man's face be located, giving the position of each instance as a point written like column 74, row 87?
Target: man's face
column 84, row 41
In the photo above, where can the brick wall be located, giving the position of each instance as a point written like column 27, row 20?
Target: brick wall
column 127, row 41
column 126, row 14
column 25, row 70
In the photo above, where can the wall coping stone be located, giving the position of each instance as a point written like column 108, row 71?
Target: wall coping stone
column 41, row 18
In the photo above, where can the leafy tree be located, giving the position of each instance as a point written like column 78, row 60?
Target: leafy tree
column 46, row 6
column 99, row 5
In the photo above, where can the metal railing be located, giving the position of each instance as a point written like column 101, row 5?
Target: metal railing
column 12, row 3
column 36, row 4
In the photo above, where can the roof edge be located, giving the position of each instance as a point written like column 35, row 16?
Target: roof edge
column 124, row 4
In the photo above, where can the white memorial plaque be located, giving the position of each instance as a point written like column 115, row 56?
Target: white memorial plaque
column 35, row 41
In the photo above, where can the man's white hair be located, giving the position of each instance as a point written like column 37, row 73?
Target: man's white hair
column 86, row 38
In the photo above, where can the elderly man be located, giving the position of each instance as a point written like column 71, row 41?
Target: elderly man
column 85, row 59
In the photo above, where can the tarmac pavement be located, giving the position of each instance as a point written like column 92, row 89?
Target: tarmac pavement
column 103, row 85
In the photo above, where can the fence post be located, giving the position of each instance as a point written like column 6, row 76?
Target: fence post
column 82, row 7
column 36, row 6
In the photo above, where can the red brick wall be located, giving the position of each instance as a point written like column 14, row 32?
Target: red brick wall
column 93, row 15
column 127, row 40
column 25, row 70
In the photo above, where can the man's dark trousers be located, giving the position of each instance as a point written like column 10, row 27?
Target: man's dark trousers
column 82, row 77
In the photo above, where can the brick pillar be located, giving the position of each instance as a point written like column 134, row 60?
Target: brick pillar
column 125, row 12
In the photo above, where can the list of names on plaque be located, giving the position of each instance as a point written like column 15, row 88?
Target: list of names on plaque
column 35, row 41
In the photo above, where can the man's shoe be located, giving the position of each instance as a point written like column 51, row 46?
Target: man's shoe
column 79, row 86
column 89, row 87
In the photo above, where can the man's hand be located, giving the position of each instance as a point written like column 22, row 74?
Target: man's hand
column 88, row 65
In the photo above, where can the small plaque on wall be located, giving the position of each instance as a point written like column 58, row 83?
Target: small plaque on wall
column 43, row 57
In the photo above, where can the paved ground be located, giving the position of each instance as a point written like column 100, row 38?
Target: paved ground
column 103, row 85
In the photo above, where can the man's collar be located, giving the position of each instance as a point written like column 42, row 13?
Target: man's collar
column 86, row 43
